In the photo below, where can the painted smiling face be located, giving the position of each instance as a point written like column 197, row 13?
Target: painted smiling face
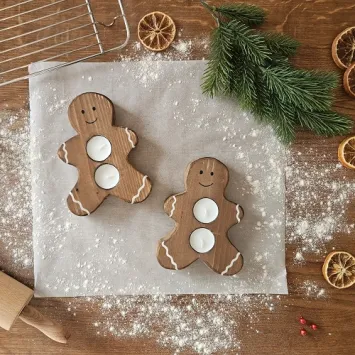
column 206, row 174
column 88, row 110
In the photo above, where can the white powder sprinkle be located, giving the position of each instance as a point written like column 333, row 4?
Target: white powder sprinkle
column 204, row 324
column 318, row 205
column 312, row 290
column 15, row 206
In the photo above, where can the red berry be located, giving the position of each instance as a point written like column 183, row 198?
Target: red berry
column 314, row 327
column 303, row 332
column 302, row 320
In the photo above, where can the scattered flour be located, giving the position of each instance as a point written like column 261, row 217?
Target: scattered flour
column 183, row 46
column 319, row 195
column 299, row 258
column 204, row 324
column 15, row 206
column 312, row 290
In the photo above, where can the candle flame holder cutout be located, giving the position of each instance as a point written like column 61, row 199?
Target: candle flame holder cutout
column 62, row 30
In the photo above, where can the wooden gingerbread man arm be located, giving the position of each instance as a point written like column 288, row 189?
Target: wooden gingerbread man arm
column 71, row 145
column 132, row 139
column 236, row 212
column 171, row 203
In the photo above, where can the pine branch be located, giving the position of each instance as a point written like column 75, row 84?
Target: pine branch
column 262, row 109
column 248, row 14
column 328, row 123
column 274, row 112
column 281, row 44
column 242, row 83
column 307, row 90
column 253, row 68
column 284, row 128
column 250, row 43
column 216, row 77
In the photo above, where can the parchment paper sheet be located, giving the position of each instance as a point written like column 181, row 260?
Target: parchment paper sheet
column 113, row 250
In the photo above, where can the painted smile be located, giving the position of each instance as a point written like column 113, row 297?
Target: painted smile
column 91, row 122
column 206, row 185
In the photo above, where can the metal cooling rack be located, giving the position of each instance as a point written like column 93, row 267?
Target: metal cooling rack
column 61, row 30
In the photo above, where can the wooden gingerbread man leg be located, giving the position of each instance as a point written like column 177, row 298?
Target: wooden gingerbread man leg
column 83, row 200
column 227, row 262
column 173, row 255
column 136, row 189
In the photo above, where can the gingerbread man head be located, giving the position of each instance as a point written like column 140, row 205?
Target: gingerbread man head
column 206, row 175
column 89, row 111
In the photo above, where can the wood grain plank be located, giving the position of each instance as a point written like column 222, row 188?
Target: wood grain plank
column 314, row 24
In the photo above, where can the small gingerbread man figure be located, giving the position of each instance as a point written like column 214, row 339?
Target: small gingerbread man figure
column 203, row 217
column 100, row 153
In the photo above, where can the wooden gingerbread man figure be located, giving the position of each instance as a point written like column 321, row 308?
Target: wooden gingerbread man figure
column 203, row 217
column 100, row 153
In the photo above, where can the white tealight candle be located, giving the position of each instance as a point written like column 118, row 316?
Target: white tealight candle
column 107, row 176
column 202, row 240
column 98, row 148
column 205, row 210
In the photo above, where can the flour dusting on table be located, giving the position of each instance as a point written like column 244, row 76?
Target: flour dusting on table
column 319, row 199
column 204, row 324
column 15, row 206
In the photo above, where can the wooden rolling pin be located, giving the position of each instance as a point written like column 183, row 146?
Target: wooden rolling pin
column 14, row 299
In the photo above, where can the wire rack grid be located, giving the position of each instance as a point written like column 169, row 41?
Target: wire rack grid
column 65, row 30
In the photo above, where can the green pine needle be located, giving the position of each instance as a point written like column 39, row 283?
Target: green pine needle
column 253, row 68
column 279, row 115
column 327, row 123
column 307, row 90
column 250, row 15
column 243, row 84
column 251, row 44
column 220, row 66
column 281, row 44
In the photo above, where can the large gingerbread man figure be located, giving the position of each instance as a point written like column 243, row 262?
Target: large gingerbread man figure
column 203, row 217
column 100, row 153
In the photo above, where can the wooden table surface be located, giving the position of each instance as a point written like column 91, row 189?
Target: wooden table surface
column 314, row 23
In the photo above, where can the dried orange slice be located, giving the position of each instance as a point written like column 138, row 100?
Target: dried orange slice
column 156, row 31
column 339, row 269
column 349, row 80
column 343, row 48
column 346, row 152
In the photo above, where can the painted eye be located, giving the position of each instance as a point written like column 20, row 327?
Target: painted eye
column 82, row 111
column 94, row 108
column 201, row 172
column 212, row 173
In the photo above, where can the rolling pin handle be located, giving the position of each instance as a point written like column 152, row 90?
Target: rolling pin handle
column 52, row 330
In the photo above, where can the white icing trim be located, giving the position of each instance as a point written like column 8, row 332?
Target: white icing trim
column 65, row 153
column 169, row 256
column 79, row 203
column 129, row 137
column 173, row 207
column 140, row 189
column 238, row 213
column 231, row 264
